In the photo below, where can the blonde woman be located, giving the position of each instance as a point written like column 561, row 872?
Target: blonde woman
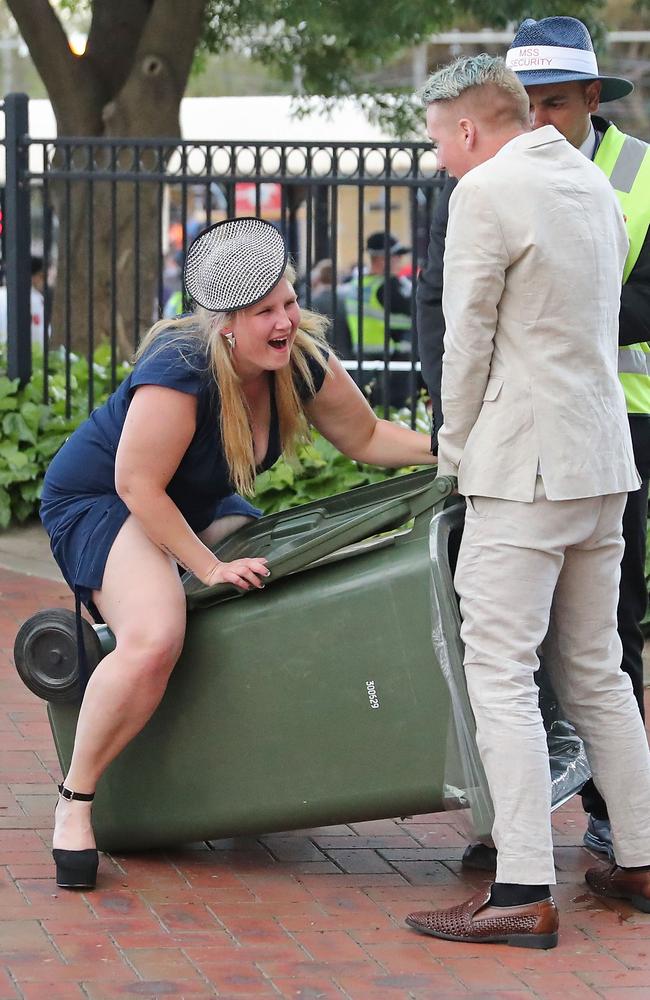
column 148, row 482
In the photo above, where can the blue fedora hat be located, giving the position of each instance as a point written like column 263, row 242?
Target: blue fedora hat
column 559, row 50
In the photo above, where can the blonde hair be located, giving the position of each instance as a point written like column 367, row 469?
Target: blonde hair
column 464, row 76
column 234, row 417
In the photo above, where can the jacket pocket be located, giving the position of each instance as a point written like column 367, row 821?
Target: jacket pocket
column 492, row 389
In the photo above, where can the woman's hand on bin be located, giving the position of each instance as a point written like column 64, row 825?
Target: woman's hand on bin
column 243, row 573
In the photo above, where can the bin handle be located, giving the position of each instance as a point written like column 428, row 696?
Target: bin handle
column 446, row 486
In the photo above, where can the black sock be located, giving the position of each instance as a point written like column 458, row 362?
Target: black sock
column 513, row 894
column 636, row 868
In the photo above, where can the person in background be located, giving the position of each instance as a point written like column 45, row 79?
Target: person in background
column 555, row 61
column 383, row 315
column 327, row 301
column 174, row 304
column 36, row 301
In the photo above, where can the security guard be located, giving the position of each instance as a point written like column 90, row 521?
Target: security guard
column 370, row 288
column 555, row 61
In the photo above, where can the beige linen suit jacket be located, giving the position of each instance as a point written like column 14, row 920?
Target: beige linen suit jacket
column 532, row 281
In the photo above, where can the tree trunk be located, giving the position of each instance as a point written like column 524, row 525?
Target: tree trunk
column 107, row 277
column 128, row 84
column 107, row 280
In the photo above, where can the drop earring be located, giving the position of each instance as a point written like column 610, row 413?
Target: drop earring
column 230, row 337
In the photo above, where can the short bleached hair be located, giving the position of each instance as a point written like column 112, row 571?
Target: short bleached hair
column 469, row 72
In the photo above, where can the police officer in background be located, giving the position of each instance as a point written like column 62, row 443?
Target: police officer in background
column 555, row 61
column 371, row 289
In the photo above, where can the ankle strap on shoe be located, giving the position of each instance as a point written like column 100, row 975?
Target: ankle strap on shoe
column 66, row 793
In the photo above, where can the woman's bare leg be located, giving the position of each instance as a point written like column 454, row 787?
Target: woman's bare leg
column 143, row 603
column 222, row 527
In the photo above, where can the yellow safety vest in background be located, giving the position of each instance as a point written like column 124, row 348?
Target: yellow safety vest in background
column 373, row 313
column 625, row 161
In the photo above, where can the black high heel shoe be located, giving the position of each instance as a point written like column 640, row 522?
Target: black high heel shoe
column 76, row 869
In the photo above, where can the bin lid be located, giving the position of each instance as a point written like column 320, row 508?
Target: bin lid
column 293, row 539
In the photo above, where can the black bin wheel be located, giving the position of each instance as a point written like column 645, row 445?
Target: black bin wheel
column 45, row 654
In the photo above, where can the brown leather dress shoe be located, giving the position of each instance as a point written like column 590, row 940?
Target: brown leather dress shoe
column 621, row 883
column 533, row 925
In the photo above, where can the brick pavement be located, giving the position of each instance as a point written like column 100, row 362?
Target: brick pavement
column 313, row 914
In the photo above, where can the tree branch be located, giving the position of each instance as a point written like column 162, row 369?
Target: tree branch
column 69, row 84
column 149, row 102
column 173, row 31
column 113, row 39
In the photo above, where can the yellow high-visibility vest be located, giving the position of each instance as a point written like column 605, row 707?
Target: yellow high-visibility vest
column 373, row 313
column 625, row 161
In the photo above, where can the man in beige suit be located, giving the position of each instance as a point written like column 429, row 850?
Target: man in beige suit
column 535, row 428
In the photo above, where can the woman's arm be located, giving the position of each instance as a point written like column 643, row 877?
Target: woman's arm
column 158, row 429
column 341, row 413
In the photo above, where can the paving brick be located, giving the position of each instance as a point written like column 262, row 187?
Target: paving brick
column 361, row 862
column 55, row 971
column 554, row 984
column 161, row 963
column 154, row 989
column 576, row 960
column 418, row 853
column 128, row 938
column 484, row 973
column 8, row 989
column 630, row 979
column 293, row 849
column 434, row 985
column 351, row 880
column 89, row 944
column 377, row 828
column 237, row 979
column 437, row 835
column 632, row 954
column 623, row 993
column 403, row 957
column 188, row 917
column 353, row 843
column 51, row 991
column 305, row 987
column 20, row 937
column 425, row 872
column 324, row 945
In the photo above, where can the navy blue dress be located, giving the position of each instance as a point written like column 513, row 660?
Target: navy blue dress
column 80, row 508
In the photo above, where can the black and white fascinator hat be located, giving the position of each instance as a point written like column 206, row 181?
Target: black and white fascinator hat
column 234, row 264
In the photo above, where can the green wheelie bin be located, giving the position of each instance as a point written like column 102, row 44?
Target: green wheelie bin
column 334, row 695
column 317, row 700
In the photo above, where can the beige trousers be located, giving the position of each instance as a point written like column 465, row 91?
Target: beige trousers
column 521, row 568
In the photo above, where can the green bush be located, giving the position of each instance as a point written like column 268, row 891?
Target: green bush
column 32, row 433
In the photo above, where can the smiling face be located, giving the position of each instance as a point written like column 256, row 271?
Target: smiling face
column 265, row 332
column 567, row 106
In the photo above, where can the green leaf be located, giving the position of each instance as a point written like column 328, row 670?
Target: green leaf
column 16, row 428
column 14, row 458
column 8, row 386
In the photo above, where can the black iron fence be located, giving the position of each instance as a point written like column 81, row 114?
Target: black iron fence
column 108, row 221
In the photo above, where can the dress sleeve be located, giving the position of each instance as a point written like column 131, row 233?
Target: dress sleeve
column 173, row 362
column 317, row 373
